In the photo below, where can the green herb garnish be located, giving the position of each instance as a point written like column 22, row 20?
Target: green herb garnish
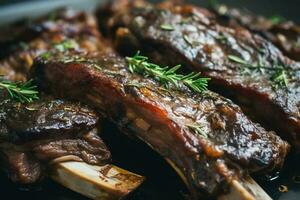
column 276, row 19
column 197, row 129
column 278, row 77
column 65, row 45
column 166, row 75
column 45, row 55
column 237, row 59
column 167, row 27
column 61, row 46
column 22, row 92
column 187, row 40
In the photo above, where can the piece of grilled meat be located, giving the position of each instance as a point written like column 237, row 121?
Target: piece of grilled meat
column 284, row 34
column 56, row 30
column 242, row 65
column 206, row 138
column 33, row 134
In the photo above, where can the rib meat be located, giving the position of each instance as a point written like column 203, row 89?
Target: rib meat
column 32, row 135
column 242, row 65
column 284, row 34
column 32, row 38
column 227, row 146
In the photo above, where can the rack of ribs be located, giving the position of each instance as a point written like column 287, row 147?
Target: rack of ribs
column 53, row 137
column 227, row 147
column 57, row 138
column 242, row 66
column 33, row 134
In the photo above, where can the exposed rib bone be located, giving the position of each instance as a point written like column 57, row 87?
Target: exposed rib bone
column 246, row 189
column 106, row 182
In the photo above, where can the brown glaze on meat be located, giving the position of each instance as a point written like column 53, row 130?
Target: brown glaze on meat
column 34, row 38
column 200, row 44
column 227, row 146
column 32, row 135
column 20, row 122
column 284, row 34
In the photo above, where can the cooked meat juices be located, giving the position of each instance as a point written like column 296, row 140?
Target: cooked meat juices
column 242, row 65
column 225, row 145
column 284, row 34
column 33, row 134
column 57, row 30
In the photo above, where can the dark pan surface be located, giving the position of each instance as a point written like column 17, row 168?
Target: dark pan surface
column 162, row 183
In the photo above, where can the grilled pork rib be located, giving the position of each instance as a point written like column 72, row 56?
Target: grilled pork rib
column 207, row 158
column 284, row 34
column 33, row 134
column 56, row 30
column 243, row 66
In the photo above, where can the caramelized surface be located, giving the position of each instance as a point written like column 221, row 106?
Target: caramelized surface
column 161, row 118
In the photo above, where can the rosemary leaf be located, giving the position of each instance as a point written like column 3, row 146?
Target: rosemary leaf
column 65, row 45
column 187, row 40
column 45, row 55
column 167, row 27
column 197, row 129
column 237, row 59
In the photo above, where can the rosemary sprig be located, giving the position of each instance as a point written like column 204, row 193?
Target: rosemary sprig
column 280, row 78
column 279, row 75
column 22, row 92
column 197, row 129
column 167, row 27
column 166, row 75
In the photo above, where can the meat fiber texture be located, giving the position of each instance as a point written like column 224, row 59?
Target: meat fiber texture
column 284, row 34
column 28, row 39
column 242, row 65
column 226, row 146
column 33, row 134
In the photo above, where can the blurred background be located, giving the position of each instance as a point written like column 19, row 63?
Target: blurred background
column 289, row 9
